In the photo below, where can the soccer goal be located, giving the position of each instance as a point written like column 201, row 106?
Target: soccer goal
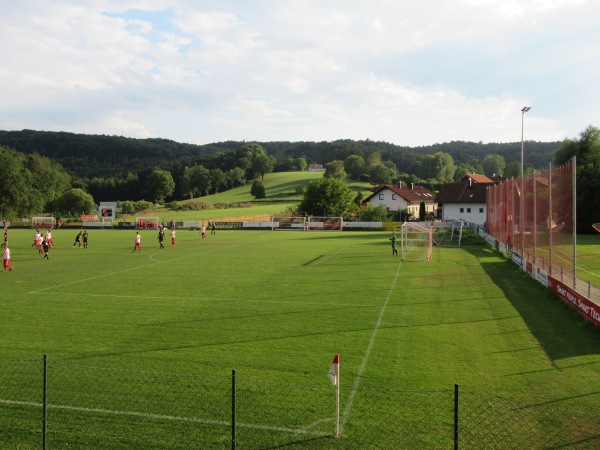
column 447, row 233
column 416, row 241
column 288, row 223
column 325, row 223
column 43, row 222
column 147, row 223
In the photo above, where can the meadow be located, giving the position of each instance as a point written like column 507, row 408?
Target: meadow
column 276, row 307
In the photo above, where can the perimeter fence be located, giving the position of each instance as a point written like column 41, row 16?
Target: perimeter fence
column 533, row 217
column 50, row 404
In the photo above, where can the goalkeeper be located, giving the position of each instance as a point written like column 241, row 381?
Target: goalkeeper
column 393, row 239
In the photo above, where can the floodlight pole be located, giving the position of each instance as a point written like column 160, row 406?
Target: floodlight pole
column 522, row 213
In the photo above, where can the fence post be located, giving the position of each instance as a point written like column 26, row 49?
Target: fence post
column 45, row 402
column 233, row 409
column 456, row 417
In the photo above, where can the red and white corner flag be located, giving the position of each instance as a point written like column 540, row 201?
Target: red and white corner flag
column 334, row 370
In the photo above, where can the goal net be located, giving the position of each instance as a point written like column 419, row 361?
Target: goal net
column 416, row 241
column 447, row 233
column 288, row 223
column 43, row 222
column 325, row 223
column 147, row 223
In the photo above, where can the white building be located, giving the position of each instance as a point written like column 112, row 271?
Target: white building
column 396, row 198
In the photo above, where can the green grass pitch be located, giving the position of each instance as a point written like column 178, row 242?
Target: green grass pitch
column 277, row 306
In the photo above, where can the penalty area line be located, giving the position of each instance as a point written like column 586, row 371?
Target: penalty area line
column 363, row 364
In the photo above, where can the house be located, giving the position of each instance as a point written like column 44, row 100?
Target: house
column 465, row 199
column 316, row 168
column 396, row 198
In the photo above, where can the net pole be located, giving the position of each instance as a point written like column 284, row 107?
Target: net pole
column 574, row 214
column 550, row 217
column 337, row 401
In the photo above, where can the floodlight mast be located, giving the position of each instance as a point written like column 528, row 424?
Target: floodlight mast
column 521, row 220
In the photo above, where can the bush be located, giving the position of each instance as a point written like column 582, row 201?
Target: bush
column 199, row 205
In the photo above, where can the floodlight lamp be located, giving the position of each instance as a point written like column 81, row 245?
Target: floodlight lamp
column 525, row 109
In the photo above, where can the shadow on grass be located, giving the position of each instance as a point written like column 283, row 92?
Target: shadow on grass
column 559, row 329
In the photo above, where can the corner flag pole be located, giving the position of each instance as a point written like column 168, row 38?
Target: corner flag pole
column 334, row 377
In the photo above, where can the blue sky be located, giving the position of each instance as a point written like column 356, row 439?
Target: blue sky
column 410, row 73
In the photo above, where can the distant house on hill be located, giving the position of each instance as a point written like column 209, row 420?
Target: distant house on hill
column 396, row 198
column 465, row 199
column 316, row 168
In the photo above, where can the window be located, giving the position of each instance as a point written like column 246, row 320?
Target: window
column 462, row 210
column 393, row 196
column 468, row 210
column 380, row 196
column 481, row 210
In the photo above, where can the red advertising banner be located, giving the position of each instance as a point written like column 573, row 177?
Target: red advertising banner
column 586, row 308
column 89, row 217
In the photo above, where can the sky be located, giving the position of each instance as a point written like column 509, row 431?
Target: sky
column 411, row 73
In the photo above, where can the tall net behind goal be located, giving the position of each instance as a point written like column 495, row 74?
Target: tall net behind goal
column 325, row 223
column 416, row 241
column 147, row 223
column 43, row 222
column 288, row 223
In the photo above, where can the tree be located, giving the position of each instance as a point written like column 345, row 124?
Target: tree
column 258, row 189
column 422, row 211
column 493, row 165
column 439, row 166
column 587, row 151
column 18, row 198
column 236, row 176
column 300, row 164
column 380, row 174
column 335, row 169
column 217, row 179
column 354, row 165
column 327, row 197
column 200, row 179
column 76, row 201
column 47, row 176
column 159, row 185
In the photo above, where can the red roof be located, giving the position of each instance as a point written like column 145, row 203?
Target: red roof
column 475, row 178
column 463, row 193
column 417, row 194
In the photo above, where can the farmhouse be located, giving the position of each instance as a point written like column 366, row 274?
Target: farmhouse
column 396, row 198
column 316, row 168
column 464, row 199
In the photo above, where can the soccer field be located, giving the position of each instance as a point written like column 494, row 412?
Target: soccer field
column 277, row 306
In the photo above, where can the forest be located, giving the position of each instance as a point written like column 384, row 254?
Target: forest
column 58, row 170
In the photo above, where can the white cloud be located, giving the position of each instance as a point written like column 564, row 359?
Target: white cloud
column 410, row 73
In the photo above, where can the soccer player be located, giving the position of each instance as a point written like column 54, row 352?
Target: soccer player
column 78, row 239
column 85, row 238
column 49, row 237
column 40, row 242
column 138, row 241
column 46, row 246
column 161, row 237
column 203, row 232
column 35, row 238
column 5, row 238
column 393, row 239
column 213, row 228
column 7, row 265
column 173, row 237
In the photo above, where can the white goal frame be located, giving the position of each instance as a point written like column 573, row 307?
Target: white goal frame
column 325, row 223
column 448, row 233
column 416, row 241
column 43, row 222
column 288, row 223
column 147, row 223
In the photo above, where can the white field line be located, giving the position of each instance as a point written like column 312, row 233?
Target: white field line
column 208, row 299
column 165, row 417
column 363, row 365
column 327, row 257
column 141, row 267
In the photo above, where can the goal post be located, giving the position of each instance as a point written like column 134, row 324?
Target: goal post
column 448, row 233
column 325, row 223
column 416, row 241
column 147, row 223
column 290, row 223
column 43, row 222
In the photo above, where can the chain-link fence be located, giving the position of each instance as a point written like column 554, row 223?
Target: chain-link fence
column 48, row 404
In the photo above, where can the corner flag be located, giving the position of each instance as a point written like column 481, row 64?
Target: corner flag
column 334, row 370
